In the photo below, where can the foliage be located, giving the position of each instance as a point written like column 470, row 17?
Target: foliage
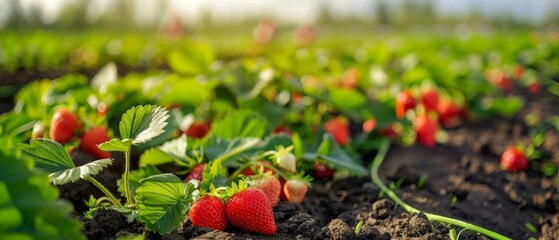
column 28, row 204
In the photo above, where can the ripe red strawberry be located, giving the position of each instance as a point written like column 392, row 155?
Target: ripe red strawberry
column 208, row 211
column 514, row 160
column 389, row 131
column 535, row 88
column 322, row 171
column 198, row 130
column 93, row 137
column 281, row 129
column 196, row 173
column 250, row 210
column 295, row 189
column 339, row 130
column 271, row 186
column 404, row 102
column 504, row 83
column 296, row 97
column 426, row 129
column 251, row 170
column 449, row 113
column 63, row 126
column 369, row 125
column 430, row 98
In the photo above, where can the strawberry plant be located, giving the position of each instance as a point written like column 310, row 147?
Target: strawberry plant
column 224, row 134
column 30, row 208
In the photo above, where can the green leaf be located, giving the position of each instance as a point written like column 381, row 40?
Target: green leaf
column 347, row 99
column 135, row 177
column 14, row 123
column 29, row 205
column 154, row 156
column 64, row 87
column 194, row 59
column 29, row 99
column 223, row 150
column 186, row 92
column 171, row 151
column 116, row 145
column 142, row 123
column 82, row 172
column 105, row 78
column 242, row 123
column 272, row 112
column 51, row 157
column 48, row 155
column 163, row 201
column 337, row 157
column 299, row 147
column 175, row 147
column 506, row 106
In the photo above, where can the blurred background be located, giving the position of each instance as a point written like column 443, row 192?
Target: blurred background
column 198, row 15
column 57, row 36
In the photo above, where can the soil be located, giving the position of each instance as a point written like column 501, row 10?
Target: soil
column 464, row 181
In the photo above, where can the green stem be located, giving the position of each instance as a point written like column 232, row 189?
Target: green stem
column 377, row 161
column 106, row 191
column 126, row 173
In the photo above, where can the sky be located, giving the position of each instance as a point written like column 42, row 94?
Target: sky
column 286, row 11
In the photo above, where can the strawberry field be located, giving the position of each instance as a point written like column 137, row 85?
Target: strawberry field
column 312, row 136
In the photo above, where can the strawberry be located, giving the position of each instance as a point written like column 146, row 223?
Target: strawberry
column 350, row 78
column 389, row 131
column 208, row 211
column 296, row 97
column 321, row 171
column 249, row 171
column 93, row 137
column 430, row 98
column 339, row 130
column 63, row 126
column 369, row 125
column 38, row 130
column 504, row 83
column 514, row 160
column 271, row 186
column 404, row 102
column 196, row 173
column 535, row 88
column 102, row 109
column 287, row 161
column 296, row 188
column 281, row 129
column 198, row 130
column 425, row 128
column 518, row 71
column 500, row 80
column 449, row 113
column 250, row 210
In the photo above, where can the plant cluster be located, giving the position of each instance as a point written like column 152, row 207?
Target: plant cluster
column 231, row 139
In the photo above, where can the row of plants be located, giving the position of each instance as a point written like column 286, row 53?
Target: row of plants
column 273, row 123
